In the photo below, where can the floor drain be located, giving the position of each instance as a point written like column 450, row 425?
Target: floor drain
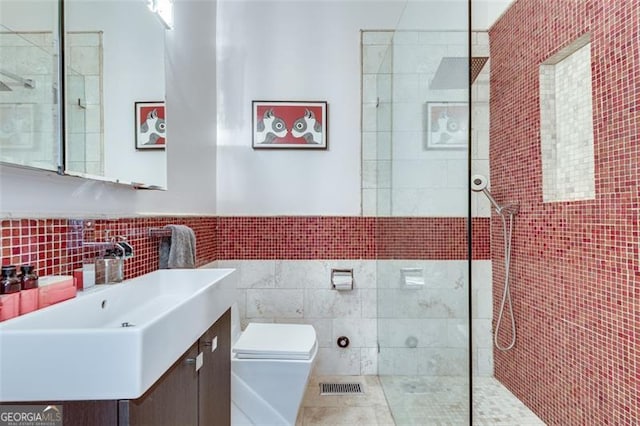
column 340, row 388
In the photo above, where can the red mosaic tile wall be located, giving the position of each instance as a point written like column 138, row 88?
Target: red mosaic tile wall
column 431, row 238
column 349, row 238
column 55, row 246
column 575, row 272
column 296, row 237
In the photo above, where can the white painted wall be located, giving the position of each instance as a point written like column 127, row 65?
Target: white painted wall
column 191, row 105
column 302, row 50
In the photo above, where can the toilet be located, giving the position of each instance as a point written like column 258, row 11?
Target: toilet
column 270, row 369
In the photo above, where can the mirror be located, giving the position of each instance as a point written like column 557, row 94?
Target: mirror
column 114, row 55
column 29, row 110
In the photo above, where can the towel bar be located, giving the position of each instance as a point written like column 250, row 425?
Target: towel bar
column 159, row 232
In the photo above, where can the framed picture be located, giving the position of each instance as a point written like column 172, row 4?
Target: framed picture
column 150, row 125
column 289, row 124
column 17, row 127
column 446, row 125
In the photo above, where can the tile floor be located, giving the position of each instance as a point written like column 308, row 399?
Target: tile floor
column 423, row 401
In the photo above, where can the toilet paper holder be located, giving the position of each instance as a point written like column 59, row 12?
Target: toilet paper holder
column 342, row 279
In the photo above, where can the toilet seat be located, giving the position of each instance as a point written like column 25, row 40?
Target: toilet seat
column 276, row 341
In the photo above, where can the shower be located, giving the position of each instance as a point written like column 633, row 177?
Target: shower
column 479, row 184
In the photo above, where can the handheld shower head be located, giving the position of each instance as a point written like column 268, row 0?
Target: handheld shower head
column 479, row 183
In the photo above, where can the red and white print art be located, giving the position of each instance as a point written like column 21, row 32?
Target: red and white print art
column 288, row 124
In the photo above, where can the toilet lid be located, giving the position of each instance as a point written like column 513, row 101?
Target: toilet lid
column 276, row 341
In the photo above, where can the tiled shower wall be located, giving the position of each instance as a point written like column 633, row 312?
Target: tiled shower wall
column 423, row 331
column 85, row 131
column 575, row 264
column 27, row 115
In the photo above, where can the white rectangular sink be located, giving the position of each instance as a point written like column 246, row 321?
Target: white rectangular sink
column 115, row 341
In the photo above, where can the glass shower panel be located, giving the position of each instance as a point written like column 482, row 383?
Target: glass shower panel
column 421, row 200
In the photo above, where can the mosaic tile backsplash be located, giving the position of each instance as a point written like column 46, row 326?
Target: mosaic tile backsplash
column 575, row 268
column 55, row 246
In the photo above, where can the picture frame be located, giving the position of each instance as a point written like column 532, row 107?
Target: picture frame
column 150, row 125
column 289, row 125
column 446, row 125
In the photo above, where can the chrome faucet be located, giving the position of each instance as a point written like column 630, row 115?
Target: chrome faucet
column 110, row 267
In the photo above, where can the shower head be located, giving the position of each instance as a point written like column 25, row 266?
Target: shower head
column 479, row 184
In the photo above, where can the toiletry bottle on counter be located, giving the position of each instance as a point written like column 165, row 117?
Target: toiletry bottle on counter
column 29, row 293
column 9, row 293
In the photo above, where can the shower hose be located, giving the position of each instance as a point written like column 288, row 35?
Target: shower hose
column 506, row 294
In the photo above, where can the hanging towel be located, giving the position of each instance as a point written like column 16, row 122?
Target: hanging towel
column 179, row 250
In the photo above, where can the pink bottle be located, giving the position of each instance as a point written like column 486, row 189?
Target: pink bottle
column 9, row 293
column 29, row 292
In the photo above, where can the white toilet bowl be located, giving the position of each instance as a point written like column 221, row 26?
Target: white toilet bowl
column 270, row 368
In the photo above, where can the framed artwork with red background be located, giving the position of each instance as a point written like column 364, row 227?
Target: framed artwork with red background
column 150, row 125
column 289, row 124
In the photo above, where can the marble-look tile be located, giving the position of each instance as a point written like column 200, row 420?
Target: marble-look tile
column 377, row 37
column 376, row 59
column 337, row 361
column 458, row 333
column 484, row 362
column 443, row 361
column 274, row 303
column 483, row 303
column 419, row 173
column 482, row 332
column 257, row 274
column 400, row 361
column 369, row 201
column 332, row 304
column 401, row 332
column 481, row 273
column 369, row 300
column 369, row 361
column 302, row 274
column 362, row 332
column 352, row 416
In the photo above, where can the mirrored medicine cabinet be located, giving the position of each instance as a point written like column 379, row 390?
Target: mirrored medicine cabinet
column 102, row 116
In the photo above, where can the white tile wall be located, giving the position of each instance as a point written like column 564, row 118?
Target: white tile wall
column 298, row 291
column 27, row 126
column 567, row 126
column 85, row 58
column 423, row 182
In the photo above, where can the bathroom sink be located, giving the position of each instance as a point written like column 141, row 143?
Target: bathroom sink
column 113, row 342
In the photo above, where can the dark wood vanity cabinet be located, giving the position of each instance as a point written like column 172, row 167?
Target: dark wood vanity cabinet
column 182, row 396
column 172, row 400
column 214, row 404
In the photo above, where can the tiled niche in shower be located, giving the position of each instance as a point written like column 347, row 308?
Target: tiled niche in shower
column 566, row 124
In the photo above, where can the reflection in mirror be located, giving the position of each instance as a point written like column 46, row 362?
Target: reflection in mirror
column 29, row 113
column 114, row 55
